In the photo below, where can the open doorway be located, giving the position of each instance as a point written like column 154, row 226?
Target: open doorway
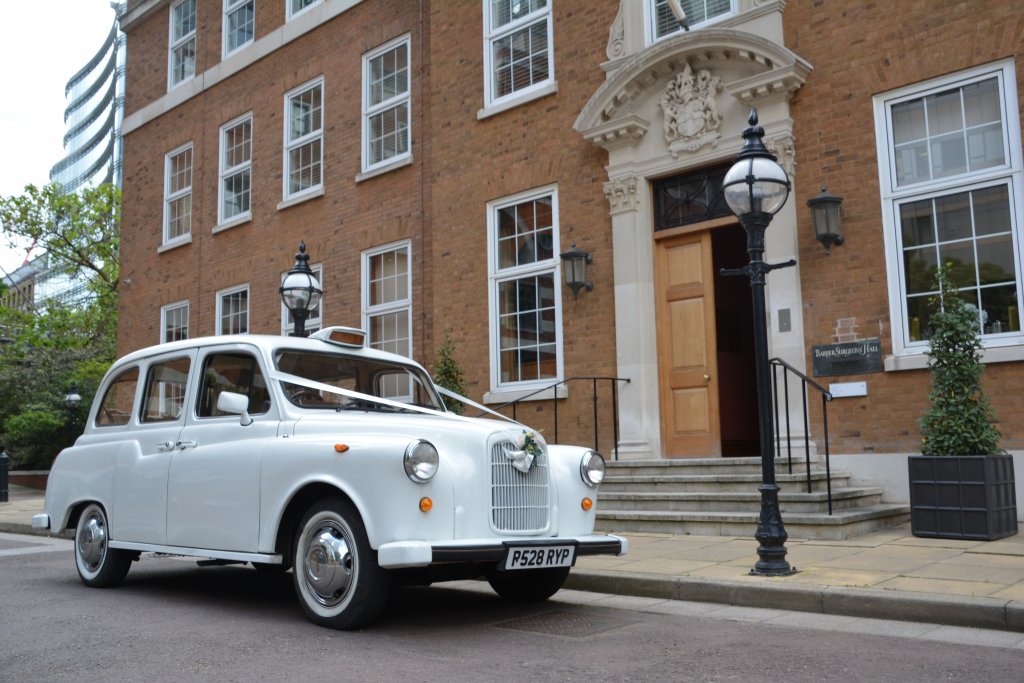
column 734, row 344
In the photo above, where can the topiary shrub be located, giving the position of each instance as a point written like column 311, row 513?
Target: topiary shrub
column 448, row 374
column 959, row 420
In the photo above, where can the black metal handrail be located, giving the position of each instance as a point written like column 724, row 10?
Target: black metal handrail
column 826, row 396
column 553, row 388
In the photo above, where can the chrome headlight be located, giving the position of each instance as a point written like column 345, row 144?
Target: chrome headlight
column 421, row 461
column 592, row 468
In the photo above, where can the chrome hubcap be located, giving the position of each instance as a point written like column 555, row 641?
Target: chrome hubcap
column 92, row 542
column 329, row 564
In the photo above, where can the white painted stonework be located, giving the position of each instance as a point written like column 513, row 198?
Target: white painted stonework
column 742, row 63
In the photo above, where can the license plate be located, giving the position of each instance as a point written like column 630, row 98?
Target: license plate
column 540, row 557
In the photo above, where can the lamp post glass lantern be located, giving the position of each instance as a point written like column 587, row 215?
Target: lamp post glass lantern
column 72, row 399
column 300, row 291
column 756, row 188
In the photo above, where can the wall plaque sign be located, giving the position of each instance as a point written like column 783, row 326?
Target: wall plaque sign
column 850, row 358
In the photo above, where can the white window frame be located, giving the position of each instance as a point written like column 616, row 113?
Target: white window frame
column 911, row 355
column 651, row 18
column 291, row 13
column 398, row 305
column 231, row 7
column 165, row 311
column 496, row 276
column 170, row 197
column 226, row 172
column 313, row 323
column 222, row 294
column 538, row 89
column 371, row 110
column 302, row 141
column 173, row 44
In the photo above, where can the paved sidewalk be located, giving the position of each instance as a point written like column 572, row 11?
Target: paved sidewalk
column 884, row 575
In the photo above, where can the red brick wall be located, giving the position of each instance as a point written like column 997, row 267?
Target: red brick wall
column 859, row 49
column 439, row 202
column 336, row 227
column 146, row 69
column 32, row 480
column 475, row 161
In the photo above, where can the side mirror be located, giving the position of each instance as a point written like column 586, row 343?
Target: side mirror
column 235, row 404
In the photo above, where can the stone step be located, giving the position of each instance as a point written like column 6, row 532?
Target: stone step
column 840, row 525
column 734, row 501
column 694, row 483
column 653, row 468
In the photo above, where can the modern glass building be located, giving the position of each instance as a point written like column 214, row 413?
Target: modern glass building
column 93, row 116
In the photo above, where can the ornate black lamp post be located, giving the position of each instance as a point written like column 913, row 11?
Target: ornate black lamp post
column 756, row 188
column 300, row 291
column 73, row 399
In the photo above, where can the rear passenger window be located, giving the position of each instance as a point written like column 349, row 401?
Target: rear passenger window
column 165, row 390
column 116, row 407
column 238, row 373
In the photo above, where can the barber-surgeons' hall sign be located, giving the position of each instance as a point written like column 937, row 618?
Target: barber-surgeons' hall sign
column 850, row 358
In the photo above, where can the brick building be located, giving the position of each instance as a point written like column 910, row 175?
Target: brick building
column 438, row 157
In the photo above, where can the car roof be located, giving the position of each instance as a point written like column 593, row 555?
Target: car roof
column 267, row 343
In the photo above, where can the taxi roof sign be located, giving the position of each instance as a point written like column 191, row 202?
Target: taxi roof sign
column 344, row 336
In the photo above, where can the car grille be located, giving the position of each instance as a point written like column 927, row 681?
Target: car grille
column 519, row 501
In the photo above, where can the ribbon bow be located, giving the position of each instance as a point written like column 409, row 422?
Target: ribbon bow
column 521, row 460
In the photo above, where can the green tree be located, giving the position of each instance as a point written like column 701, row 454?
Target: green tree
column 448, row 374
column 959, row 420
column 53, row 346
column 80, row 231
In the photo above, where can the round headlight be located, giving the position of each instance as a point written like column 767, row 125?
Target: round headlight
column 421, row 461
column 592, row 468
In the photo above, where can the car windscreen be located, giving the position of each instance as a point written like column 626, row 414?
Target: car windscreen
column 378, row 378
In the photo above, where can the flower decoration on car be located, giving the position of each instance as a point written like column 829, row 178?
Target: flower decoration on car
column 526, row 448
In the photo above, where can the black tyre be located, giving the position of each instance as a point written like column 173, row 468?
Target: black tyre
column 99, row 565
column 337, row 578
column 528, row 585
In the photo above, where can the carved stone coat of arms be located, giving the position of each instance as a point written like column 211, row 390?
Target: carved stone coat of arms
column 692, row 119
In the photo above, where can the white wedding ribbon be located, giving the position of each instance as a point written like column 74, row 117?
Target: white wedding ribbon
column 521, row 460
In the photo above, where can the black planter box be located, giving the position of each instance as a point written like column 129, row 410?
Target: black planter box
column 962, row 496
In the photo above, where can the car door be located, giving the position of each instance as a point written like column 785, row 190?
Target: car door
column 141, row 465
column 213, row 491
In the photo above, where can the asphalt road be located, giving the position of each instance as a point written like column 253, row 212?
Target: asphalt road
column 174, row 621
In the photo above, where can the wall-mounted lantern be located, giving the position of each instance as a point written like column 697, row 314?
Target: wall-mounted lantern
column 825, row 217
column 574, row 266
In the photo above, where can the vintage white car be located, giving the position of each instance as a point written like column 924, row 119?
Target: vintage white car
column 319, row 455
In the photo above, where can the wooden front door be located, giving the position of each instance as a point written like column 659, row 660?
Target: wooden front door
column 687, row 365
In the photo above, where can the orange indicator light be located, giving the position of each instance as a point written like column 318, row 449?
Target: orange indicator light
column 586, row 504
column 340, row 447
column 426, row 504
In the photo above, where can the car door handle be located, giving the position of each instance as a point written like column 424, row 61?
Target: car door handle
column 165, row 446
column 187, row 444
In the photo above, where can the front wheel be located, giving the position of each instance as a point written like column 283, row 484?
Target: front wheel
column 528, row 585
column 337, row 578
column 98, row 564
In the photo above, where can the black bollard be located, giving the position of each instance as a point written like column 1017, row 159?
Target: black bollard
column 3, row 475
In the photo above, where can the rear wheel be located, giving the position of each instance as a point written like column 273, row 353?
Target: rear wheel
column 99, row 565
column 337, row 578
column 528, row 585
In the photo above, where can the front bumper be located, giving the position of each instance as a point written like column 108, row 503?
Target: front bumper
column 41, row 521
column 401, row 554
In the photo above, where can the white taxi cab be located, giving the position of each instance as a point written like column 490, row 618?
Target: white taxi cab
column 318, row 455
